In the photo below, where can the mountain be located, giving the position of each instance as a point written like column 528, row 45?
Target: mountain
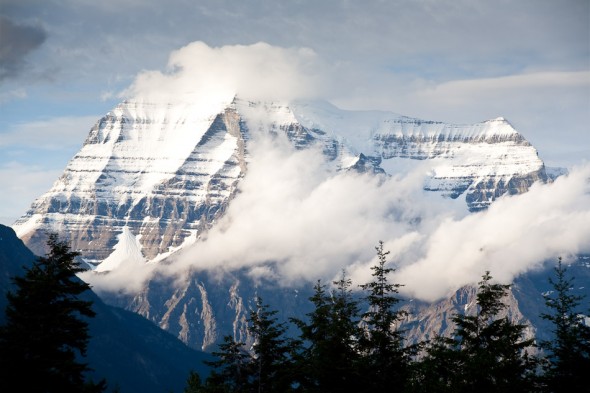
column 153, row 179
column 14, row 255
column 167, row 172
column 130, row 352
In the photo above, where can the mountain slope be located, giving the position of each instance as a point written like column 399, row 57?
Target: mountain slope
column 132, row 353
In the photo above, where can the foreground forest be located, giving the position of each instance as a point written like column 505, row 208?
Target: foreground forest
column 347, row 343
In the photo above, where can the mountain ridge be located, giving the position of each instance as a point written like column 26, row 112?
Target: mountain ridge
column 152, row 181
column 169, row 171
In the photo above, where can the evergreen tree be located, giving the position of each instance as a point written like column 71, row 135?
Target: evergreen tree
column 46, row 332
column 194, row 383
column 439, row 370
column 569, row 351
column 232, row 370
column 387, row 360
column 330, row 358
column 493, row 349
column 487, row 353
column 272, row 351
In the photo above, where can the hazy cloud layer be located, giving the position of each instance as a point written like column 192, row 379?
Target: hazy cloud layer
column 294, row 221
column 21, row 185
column 516, row 234
column 51, row 134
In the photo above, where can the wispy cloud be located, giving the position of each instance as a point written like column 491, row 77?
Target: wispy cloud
column 516, row 234
column 294, row 221
column 51, row 134
column 21, row 185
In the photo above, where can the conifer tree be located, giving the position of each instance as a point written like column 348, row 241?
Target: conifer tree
column 387, row 360
column 493, row 350
column 272, row 351
column 193, row 383
column 232, row 371
column 569, row 351
column 486, row 354
column 46, row 333
column 330, row 358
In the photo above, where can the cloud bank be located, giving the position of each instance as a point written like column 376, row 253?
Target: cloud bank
column 198, row 71
column 516, row 234
column 294, row 221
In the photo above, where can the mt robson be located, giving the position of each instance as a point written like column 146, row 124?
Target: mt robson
column 153, row 179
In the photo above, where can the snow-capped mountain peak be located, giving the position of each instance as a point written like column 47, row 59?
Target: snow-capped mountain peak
column 163, row 172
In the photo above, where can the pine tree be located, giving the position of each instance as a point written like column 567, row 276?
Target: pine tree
column 193, row 383
column 330, row 358
column 233, row 370
column 272, row 351
column 492, row 349
column 439, row 370
column 387, row 360
column 46, row 332
column 486, row 354
column 569, row 351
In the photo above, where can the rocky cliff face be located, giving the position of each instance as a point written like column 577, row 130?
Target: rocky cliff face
column 164, row 173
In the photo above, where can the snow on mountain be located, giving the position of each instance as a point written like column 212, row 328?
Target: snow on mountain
column 152, row 179
column 127, row 250
column 164, row 173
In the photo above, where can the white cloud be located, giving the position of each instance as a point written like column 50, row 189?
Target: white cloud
column 516, row 234
column 294, row 222
column 14, row 94
column 260, row 71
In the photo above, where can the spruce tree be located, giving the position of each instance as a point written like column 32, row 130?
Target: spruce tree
column 330, row 358
column 569, row 351
column 387, row 360
column 272, row 351
column 492, row 349
column 46, row 333
column 232, row 371
column 193, row 383
column 487, row 353
column 315, row 336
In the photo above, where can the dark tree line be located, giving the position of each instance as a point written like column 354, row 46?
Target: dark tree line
column 341, row 349
column 46, row 331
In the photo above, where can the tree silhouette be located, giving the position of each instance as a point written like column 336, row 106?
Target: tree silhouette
column 488, row 353
column 386, row 358
column 569, row 351
column 330, row 358
column 46, row 333
column 272, row 351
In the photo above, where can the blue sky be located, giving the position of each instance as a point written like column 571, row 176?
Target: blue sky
column 65, row 63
